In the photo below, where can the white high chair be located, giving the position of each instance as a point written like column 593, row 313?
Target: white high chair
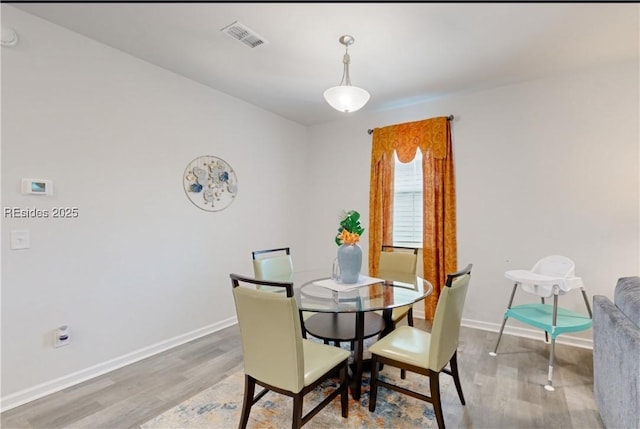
column 550, row 276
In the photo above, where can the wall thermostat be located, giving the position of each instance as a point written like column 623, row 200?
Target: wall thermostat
column 37, row 186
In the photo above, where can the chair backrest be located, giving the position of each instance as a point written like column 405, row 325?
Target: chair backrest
column 396, row 262
column 270, row 331
column 256, row 254
column 555, row 266
column 446, row 322
column 269, row 267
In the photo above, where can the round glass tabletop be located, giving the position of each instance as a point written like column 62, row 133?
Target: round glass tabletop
column 312, row 294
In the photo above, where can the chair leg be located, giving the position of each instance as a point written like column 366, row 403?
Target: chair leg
column 434, row 382
column 373, row 385
column 549, row 385
column 249, row 389
column 304, row 331
column 552, row 353
column 456, row 376
column 546, row 334
column 495, row 351
column 344, row 394
column 513, row 292
column 586, row 301
column 296, row 422
column 403, row 373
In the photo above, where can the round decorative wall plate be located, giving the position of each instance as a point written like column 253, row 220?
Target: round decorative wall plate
column 210, row 183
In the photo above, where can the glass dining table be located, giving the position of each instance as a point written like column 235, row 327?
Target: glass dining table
column 353, row 314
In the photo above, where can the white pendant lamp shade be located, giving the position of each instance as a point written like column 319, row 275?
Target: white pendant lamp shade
column 346, row 97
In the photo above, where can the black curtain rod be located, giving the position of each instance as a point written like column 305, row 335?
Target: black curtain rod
column 449, row 118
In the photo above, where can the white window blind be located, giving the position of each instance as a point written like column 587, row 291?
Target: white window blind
column 407, row 202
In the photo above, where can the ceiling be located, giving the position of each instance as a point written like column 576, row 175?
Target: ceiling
column 404, row 53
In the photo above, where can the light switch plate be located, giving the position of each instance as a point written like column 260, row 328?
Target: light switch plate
column 20, row 239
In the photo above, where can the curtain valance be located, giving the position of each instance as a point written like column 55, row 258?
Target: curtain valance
column 428, row 134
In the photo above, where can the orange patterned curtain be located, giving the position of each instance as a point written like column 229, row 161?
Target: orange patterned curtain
column 380, row 207
column 433, row 137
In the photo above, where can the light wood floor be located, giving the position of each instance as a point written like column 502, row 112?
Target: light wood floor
column 501, row 392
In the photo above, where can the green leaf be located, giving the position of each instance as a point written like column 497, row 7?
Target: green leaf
column 351, row 223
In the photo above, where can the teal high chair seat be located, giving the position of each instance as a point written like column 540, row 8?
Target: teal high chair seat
column 550, row 276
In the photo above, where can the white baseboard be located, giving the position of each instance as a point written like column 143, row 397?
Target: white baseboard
column 32, row 393
column 534, row 334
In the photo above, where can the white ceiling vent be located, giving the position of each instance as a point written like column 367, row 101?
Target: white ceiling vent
column 243, row 34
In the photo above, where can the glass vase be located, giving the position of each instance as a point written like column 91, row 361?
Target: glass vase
column 350, row 262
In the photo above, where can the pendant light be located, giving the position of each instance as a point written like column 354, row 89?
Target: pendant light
column 345, row 97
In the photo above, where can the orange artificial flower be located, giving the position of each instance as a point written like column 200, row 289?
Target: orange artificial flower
column 347, row 237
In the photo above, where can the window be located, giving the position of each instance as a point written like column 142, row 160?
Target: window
column 407, row 202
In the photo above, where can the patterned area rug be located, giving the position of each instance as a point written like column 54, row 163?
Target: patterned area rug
column 220, row 406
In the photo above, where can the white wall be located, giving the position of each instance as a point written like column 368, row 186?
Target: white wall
column 544, row 167
column 141, row 268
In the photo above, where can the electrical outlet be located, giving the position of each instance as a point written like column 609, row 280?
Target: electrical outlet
column 61, row 336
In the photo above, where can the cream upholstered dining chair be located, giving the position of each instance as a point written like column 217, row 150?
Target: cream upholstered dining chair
column 276, row 356
column 426, row 353
column 399, row 263
column 276, row 265
column 272, row 264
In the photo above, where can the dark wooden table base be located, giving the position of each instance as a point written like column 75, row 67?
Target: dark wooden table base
column 340, row 327
column 351, row 327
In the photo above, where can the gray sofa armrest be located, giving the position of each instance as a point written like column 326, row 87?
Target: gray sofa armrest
column 616, row 366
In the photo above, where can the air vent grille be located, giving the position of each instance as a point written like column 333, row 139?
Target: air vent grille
column 244, row 34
